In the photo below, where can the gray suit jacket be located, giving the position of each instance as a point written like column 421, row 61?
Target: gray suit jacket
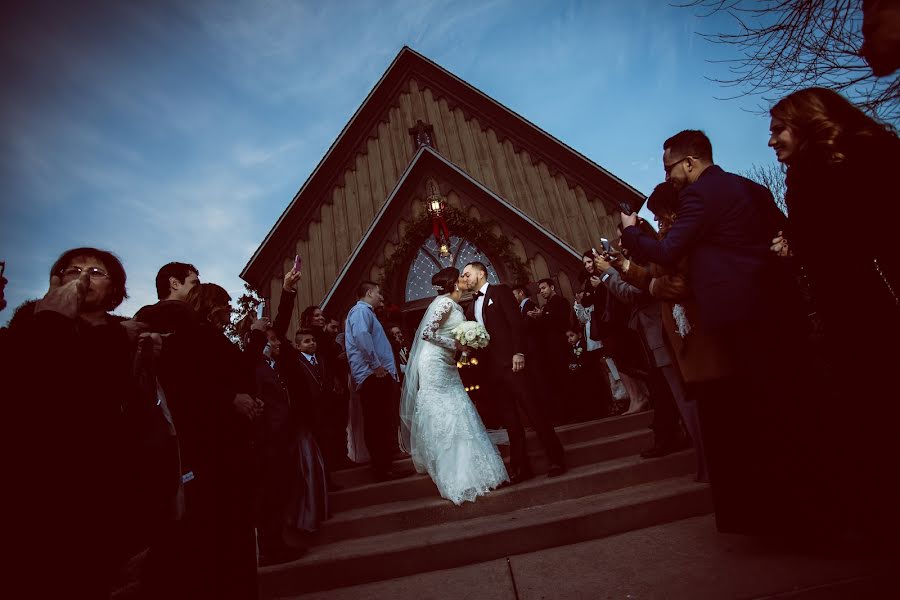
column 646, row 316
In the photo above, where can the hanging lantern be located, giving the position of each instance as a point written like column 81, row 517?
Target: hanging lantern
column 434, row 204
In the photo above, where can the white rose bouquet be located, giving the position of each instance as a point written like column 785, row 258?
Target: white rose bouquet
column 471, row 334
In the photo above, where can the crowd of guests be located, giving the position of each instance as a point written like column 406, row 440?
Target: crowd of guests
column 160, row 432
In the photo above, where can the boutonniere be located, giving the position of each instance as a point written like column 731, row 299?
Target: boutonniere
column 578, row 350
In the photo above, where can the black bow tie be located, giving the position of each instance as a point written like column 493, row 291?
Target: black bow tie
column 478, row 295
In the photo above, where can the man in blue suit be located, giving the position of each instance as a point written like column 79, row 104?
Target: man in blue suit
column 751, row 422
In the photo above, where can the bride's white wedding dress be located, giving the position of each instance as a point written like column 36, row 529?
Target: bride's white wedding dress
column 440, row 427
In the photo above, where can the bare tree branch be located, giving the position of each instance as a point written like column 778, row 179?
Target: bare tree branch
column 781, row 46
column 771, row 176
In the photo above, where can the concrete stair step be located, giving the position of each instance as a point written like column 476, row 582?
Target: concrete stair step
column 585, row 480
column 457, row 543
column 421, row 486
column 568, row 434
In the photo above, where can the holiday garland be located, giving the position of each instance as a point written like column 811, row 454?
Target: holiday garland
column 497, row 246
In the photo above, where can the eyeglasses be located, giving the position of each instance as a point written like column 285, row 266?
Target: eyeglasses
column 668, row 168
column 94, row 272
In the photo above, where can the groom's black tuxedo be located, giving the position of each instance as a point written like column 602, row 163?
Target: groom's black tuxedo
column 506, row 327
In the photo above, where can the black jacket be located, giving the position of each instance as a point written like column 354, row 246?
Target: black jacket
column 503, row 322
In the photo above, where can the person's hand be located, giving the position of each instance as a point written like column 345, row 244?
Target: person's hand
column 780, row 246
column 380, row 372
column 459, row 346
column 247, row 406
column 535, row 313
column 600, row 263
column 629, row 220
column 518, row 362
column 290, row 280
column 134, row 329
column 65, row 299
column 578, row 297
column 595, row 281
column 157, row 341
column 257, row 324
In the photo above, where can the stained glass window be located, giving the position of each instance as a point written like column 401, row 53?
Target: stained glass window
column 429, row 261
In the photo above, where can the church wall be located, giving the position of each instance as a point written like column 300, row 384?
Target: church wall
column 524, row 181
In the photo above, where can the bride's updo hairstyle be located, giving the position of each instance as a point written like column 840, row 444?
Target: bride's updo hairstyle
column 444, row 281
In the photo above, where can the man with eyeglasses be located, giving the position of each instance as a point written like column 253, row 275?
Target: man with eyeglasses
column 751, row 421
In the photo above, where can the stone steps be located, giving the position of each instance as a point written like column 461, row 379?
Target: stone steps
column 421, row 486
column 568, row 434
column 585, row 480
column 397, row 528
column 451, row 544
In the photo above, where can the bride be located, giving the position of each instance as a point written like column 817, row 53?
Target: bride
column 440, row 427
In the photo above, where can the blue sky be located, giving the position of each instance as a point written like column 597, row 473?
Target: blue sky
column 180, row 130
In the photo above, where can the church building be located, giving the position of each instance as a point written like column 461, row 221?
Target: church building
column 430, row 172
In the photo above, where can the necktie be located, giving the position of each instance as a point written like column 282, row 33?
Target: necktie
column 478, row 295
column 314, row 362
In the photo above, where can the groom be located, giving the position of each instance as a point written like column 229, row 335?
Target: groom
column 504, row 358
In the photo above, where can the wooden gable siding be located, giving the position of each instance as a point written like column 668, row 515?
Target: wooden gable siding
column 524, row 181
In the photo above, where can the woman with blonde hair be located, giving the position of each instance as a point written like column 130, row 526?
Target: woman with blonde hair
column 842, row 200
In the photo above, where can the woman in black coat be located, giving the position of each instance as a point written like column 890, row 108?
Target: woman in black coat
column 842, row 190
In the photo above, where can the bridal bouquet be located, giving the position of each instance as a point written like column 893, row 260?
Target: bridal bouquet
column 471, row 334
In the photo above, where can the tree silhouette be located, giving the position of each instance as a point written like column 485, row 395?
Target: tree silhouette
column 247, row 304
column 771, row 176
column 787, row 45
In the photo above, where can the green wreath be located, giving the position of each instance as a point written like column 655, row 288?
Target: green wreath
column 497, row 246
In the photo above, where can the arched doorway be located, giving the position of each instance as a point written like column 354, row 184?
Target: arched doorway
column 429, row 261
column 418, row 294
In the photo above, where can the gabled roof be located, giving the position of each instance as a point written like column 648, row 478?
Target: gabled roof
column 410, row 64
column 428, row 162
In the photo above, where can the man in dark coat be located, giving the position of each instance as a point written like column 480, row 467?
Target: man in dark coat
column 751, row 422
column 495, row 308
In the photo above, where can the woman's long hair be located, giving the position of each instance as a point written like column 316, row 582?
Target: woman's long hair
column 204, row 298
column 827, row 125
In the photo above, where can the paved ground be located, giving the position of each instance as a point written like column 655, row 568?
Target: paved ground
column 685, row 559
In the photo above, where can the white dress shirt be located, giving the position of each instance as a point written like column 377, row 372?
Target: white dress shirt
column 479, row 304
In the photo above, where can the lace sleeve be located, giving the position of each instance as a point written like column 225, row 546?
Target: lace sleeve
column 430, row 330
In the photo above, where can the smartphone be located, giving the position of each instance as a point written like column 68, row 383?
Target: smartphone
column 260, row 309
column 606, row 247
column 297, row 262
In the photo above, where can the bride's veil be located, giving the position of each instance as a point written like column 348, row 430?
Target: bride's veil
column 411, row 383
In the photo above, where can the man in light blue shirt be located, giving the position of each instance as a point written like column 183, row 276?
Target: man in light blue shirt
column 374, row 375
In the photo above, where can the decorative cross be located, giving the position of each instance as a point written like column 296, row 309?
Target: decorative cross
column 422, row 134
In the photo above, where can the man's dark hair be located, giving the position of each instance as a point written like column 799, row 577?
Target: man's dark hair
column 523, row 287
column 113, row 265
column 304, row 331
column 478, row 265
column 179, row 271
column 364, row 288
column 690, row 142
column 548, row 281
